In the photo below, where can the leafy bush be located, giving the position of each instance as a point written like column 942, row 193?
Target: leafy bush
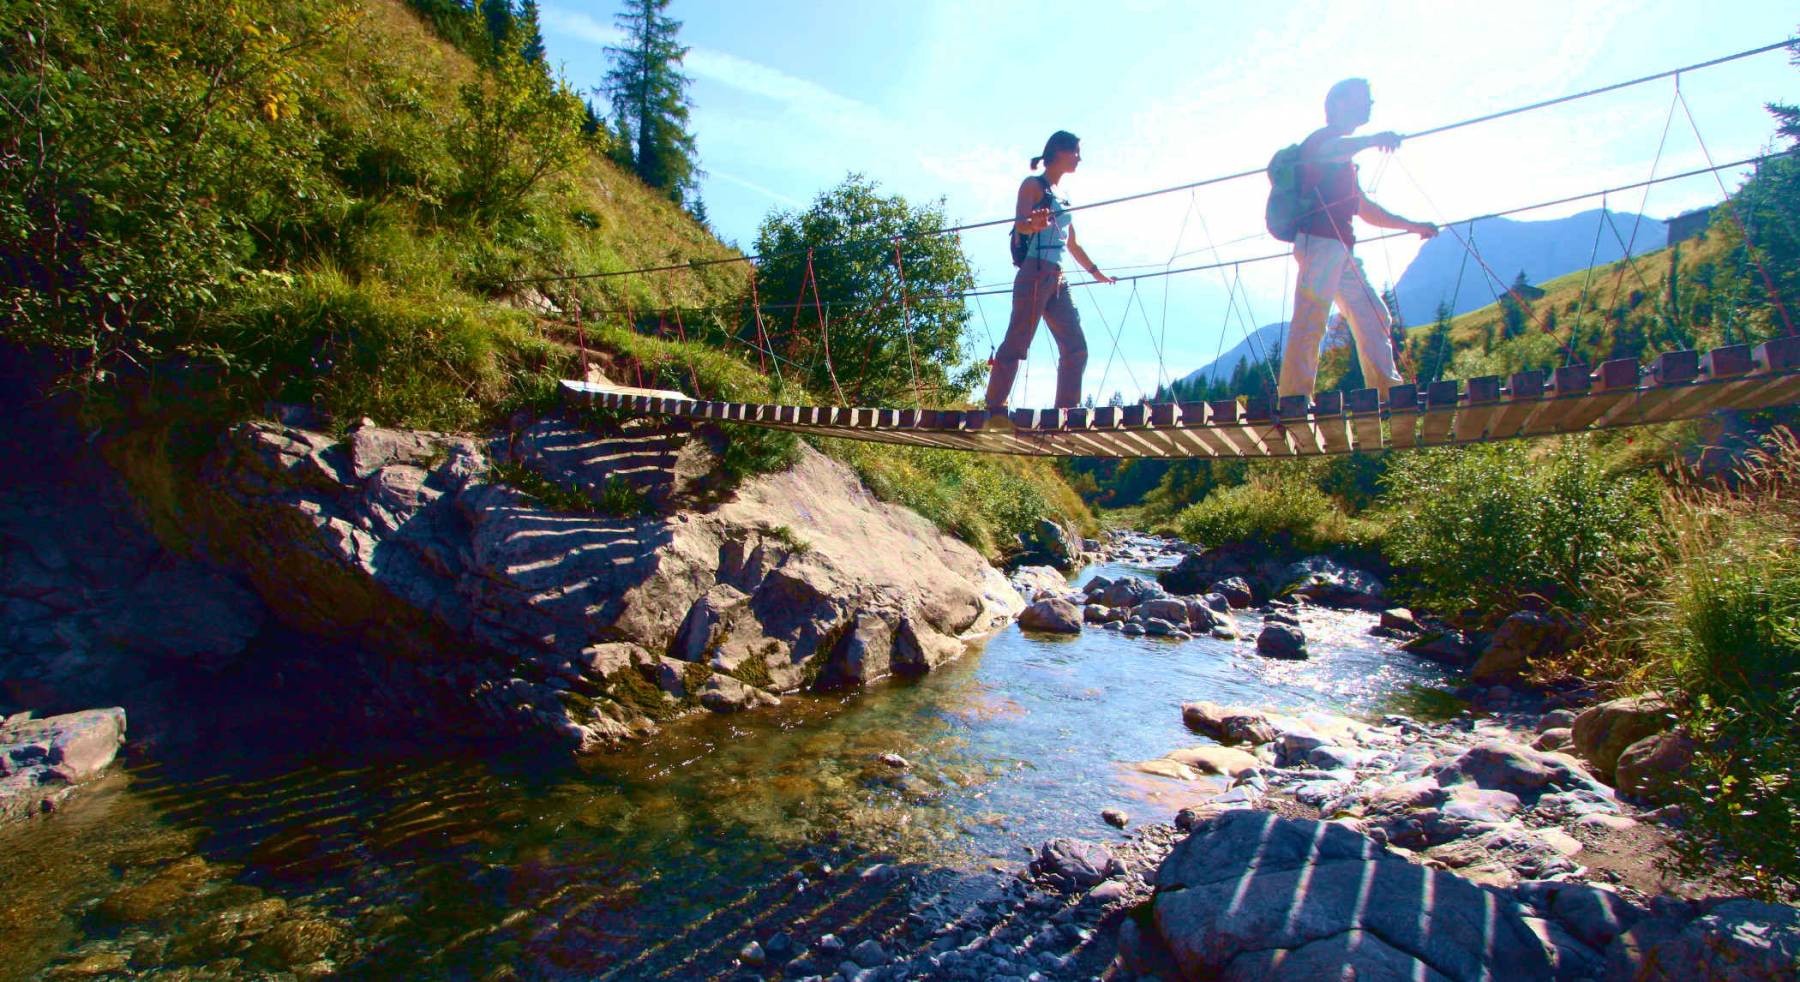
column 1275, row 511
column 1481, row 526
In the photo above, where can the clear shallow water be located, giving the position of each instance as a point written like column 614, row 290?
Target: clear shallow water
column 289, row 846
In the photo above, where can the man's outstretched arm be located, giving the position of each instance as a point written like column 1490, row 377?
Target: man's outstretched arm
column 1380, row 217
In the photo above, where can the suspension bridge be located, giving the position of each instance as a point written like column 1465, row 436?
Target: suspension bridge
column 1676, row 385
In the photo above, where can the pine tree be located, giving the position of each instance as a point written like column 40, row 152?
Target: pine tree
column 1436, row 355
column 500, row 20
column 1512, row 308
column 648, row 92
column 529, row 32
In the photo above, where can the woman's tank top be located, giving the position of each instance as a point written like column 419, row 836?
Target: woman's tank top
column 1048, row 244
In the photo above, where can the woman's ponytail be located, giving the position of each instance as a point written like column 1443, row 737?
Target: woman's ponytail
column 1035, row 161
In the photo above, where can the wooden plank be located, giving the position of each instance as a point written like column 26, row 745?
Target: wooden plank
column 1615, row 393
column 1403, row 416
column 1295, row 414
column 1768, row 393
column 1256, row 419
column 1222, row 419
column 1481, row 400
column 1364, row 407
column 1328, row 419
column 1524, row 393
column 1440, row 410
column 1779, row 355
column 1567, row 389
column 1189, row 420
column 1076, row 427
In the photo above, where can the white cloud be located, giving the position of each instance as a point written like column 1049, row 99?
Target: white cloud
column 770, row 193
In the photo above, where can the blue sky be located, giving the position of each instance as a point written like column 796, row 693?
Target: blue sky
column 949, row 100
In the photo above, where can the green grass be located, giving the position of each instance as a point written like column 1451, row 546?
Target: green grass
column 987, row 501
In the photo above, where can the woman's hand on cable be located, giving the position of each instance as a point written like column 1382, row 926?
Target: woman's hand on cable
column 1037, row 221
column 1424, row 230
column 1100, row 277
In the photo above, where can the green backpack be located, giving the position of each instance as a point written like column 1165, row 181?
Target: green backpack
column 1285, row 209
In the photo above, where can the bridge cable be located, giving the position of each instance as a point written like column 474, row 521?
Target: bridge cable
column 1206, row 182
column 1749, row 246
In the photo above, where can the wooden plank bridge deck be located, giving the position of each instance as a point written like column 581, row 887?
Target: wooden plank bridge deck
column 1677, row 385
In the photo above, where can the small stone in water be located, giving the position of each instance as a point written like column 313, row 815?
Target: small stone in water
column 1115, row 817
column 895, row 760
column 751, row 954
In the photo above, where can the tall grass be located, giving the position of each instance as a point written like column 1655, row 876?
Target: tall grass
column 1712, row 617
column 985, row 501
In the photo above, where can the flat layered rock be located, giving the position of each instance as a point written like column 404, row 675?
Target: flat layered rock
column 1251, row 895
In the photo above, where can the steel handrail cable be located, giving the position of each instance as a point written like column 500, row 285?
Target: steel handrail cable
column 1502, row 213
column 1749, row 247
column 1205, row 182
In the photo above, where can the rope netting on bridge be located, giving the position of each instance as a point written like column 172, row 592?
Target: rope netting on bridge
column 1677, row 384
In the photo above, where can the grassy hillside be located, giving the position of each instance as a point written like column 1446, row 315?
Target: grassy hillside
column 330, row 203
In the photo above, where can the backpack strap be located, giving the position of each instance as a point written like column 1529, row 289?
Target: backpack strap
column 1043, row 201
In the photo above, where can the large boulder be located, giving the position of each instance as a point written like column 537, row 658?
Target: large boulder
column 1228, row 725
column 1251, row 895
column 1444, row 647
column 1072, row 864
column 1520, row 640
column 1326, row 581
column 1281, row 641
column 1050, row 543
column 1126, row 591
column 1228, row 761
column 1055, row 616
column 1733, row 940
column 1235, row 591
column 1652, row 769
column 1499, row 765
column 1166, row 608
column 41, row 759
column 1198, row 571
column 1602, row 732
column 1033, row 581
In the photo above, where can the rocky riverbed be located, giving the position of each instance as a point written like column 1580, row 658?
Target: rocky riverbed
column 1193, row 764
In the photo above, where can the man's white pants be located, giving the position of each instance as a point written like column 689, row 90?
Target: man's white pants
column 1328, row 272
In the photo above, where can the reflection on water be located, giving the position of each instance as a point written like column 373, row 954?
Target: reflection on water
column 289, row 853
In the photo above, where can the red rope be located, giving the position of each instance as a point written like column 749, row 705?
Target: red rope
column 581, row 339
column 824, row 329
column 693, row 378
column 637, row 366
column 762, row 336
column 906, row 318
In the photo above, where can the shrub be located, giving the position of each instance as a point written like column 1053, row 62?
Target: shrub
column 1274, row 511
column 1482, row 526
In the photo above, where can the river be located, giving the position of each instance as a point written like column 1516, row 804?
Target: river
column 297, row 851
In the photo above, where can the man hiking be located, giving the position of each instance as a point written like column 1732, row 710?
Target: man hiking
column 1331, row 196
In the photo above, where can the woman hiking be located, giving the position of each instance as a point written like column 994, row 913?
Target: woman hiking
column 1042, row 233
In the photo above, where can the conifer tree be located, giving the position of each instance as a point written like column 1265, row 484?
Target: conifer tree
column 648, row 92
column 529, row 32
column 499, row 18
